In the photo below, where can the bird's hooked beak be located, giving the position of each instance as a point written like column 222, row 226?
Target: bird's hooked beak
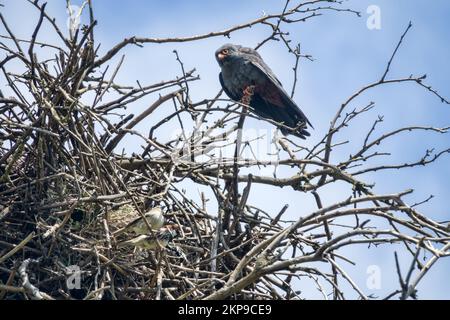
column 222, row 55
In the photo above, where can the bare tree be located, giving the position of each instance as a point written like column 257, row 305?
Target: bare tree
column 65, row 190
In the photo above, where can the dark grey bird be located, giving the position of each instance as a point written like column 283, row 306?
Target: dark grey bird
column 243, row 68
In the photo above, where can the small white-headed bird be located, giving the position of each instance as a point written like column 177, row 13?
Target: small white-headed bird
column 154, row 217
column 150, row 242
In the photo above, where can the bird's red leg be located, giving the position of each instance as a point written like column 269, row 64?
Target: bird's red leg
column 248, row 94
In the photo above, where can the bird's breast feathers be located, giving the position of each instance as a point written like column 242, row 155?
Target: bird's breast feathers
column 238, row 76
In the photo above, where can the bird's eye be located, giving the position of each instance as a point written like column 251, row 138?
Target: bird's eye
column 225, row 51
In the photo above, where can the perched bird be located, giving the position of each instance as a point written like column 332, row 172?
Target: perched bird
column 244, row 72
column 150, row 242
column 154, row 217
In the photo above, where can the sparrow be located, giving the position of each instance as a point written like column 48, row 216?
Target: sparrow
column 154, row 217
column 244, row 73
column 150, row 242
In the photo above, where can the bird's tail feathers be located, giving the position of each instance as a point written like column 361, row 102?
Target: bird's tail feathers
column 299, row 116
column 300, row 133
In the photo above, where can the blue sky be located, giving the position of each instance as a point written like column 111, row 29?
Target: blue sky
column 347, row 55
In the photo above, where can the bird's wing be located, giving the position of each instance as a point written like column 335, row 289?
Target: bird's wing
column 274, row 94
column 228, row 92
column 134, row 241
column 255, row 58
